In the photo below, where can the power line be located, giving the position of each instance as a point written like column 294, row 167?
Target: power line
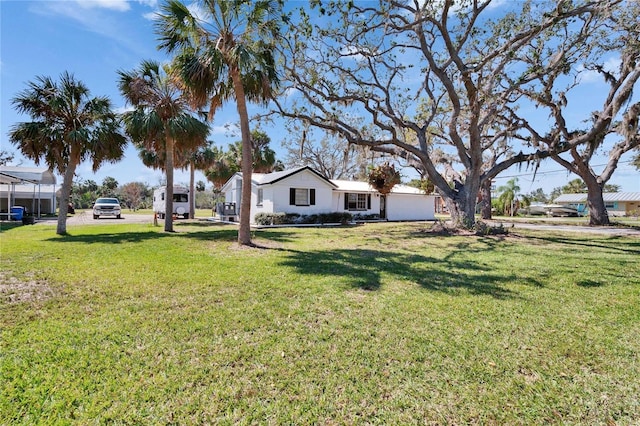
column 552, row 171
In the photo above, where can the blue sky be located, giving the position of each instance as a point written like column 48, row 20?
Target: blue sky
column 94, row 39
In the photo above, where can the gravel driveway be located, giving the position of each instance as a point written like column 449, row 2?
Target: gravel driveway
column 86, row 218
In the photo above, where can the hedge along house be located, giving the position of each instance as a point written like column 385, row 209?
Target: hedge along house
column 305, row 191
column 616, row 203
column 28, row 187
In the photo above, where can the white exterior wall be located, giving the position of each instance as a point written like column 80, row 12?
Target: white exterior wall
column 234, row 192
column 338, row 203
column 275, row 197
column 303, row 179
column 399, row 206
column 267, row 201
column 410, row 207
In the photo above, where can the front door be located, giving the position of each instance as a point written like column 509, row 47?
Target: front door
column 383, row 206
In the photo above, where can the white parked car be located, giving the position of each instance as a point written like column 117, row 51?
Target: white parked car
column 107, row 207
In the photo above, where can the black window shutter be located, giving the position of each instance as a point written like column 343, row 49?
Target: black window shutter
column 368, row 201
column 292, row 196
column 346, row 201
column 312, row 196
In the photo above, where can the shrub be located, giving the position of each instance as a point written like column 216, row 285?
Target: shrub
column 372, row 216
column 296, row 218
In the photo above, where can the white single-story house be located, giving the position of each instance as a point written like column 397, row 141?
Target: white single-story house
column 305, row 191
column 29, row 187
column 616, row 203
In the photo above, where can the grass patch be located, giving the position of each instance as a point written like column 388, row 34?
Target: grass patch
column 380, row 324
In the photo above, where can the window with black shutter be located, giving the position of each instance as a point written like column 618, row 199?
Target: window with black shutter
column 357, row 202
column 302, row 196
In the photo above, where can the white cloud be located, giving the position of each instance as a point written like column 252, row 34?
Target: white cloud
column 119, row 5
column 123, row 109
column 151, row 16
column 198, row 12
column 226, row 129
column 150, row 3
column 495, row 4
column 352, row 52
column 611, row 65
column 459, row 5
column 97, row 16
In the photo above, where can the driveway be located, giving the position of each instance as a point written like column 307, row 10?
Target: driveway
column 602, row 230
column 86, row 218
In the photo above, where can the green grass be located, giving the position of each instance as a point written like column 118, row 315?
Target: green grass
column 376, row 324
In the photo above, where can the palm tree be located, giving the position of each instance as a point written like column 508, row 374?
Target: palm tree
column 508, row 199
column 264, row 158
column 201, row 159
column 226, row 52
column 68, row 126
column 222, row 168
column 161, row 121
column 575, row 186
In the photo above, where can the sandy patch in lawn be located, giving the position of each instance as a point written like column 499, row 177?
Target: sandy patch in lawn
column 16, row 290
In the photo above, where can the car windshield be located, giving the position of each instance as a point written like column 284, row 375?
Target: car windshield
column 107, row 201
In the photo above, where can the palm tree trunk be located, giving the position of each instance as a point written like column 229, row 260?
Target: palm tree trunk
column 65, row 191
column 192, row 192
column 244, row 232
column 168, row 217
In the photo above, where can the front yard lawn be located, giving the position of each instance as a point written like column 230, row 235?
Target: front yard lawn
column 374, row 324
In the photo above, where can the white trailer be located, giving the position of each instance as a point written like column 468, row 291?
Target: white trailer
column 181, row 204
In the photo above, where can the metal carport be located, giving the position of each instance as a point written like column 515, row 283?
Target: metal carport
column 13, row 184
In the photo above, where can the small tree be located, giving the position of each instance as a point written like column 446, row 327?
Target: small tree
column 509, row 198
column 109, row 186
column 5, row 157
column 133, row 194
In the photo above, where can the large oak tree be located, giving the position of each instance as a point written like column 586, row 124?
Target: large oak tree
column 443, row 83
column 614, row 59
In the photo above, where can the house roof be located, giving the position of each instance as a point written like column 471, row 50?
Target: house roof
column 338, row 185
column 357, row 186
column 11, row 174
column 270, row 178
column 607, row 197
column 27, row 189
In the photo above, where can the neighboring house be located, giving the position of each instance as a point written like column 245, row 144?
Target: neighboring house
column 616, row 203
column 305, row 191
column 29, row 187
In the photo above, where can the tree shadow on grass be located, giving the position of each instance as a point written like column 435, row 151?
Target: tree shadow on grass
column 589, row 284
column 126, row 237
column 215, row 232
column 7, row 226
column 366, row 269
